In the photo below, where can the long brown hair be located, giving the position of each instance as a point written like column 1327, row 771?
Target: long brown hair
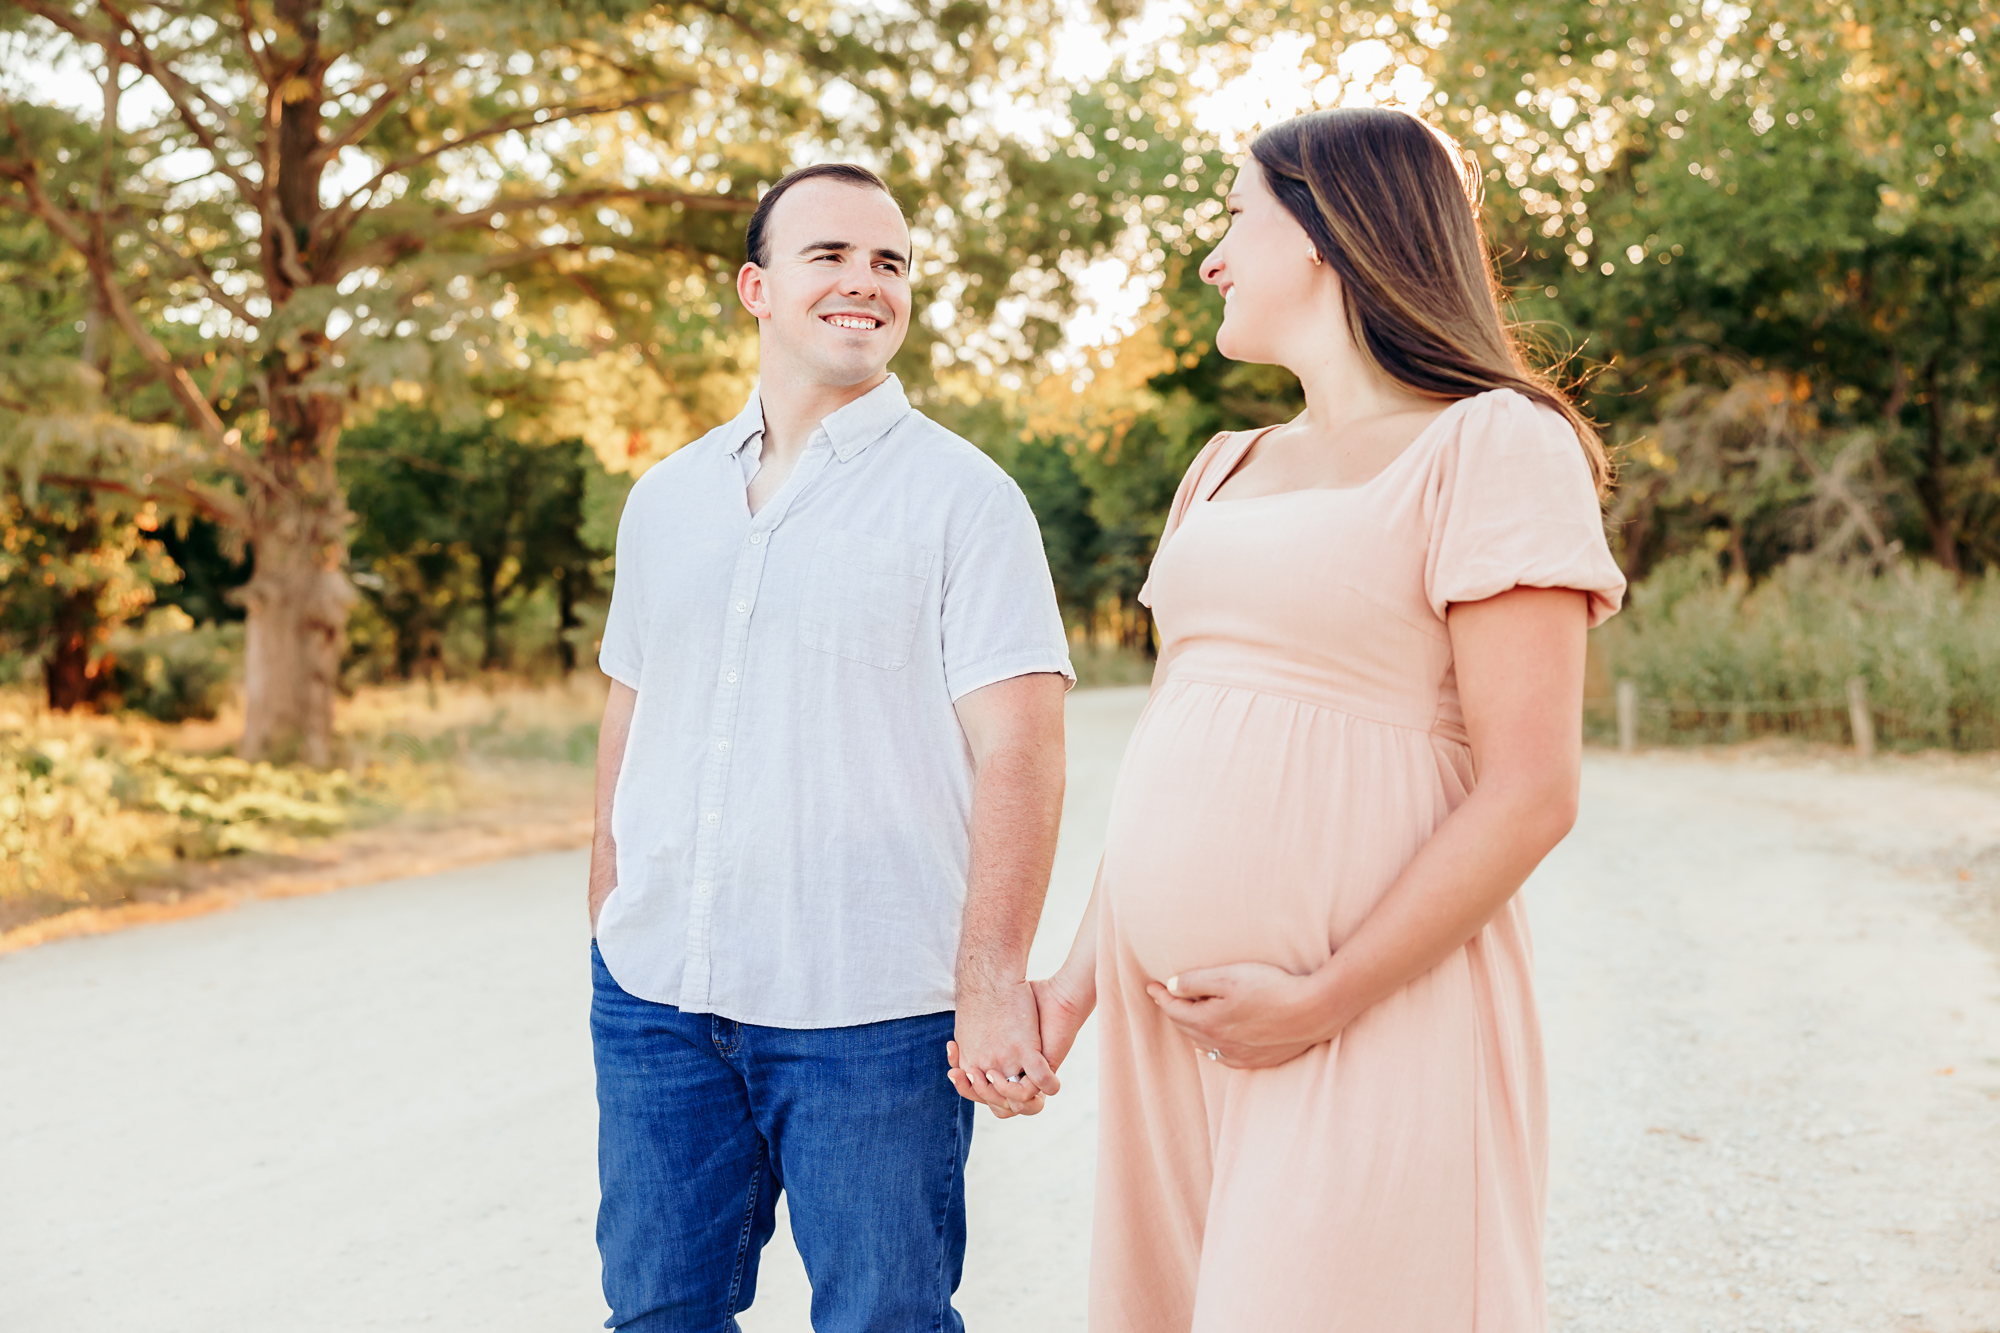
column 1393, row 205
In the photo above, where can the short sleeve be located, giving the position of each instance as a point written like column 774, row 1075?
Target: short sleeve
column 1184, row 497
column 1000, row 618
column 1513, row 506
column 621, row 652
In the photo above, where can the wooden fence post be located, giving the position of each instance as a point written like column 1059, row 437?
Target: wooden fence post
column 1628, row 717
column 1859, row 717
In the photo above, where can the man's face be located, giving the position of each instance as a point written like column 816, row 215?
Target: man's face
column 833, row 303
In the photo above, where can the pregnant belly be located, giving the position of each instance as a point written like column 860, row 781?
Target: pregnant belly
column 1248, row 827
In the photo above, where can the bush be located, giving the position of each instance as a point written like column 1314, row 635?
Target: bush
column 78, row 811
column 1717, row 659
column 173, row 672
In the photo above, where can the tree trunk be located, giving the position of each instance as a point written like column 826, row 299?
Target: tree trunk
column 489, row 610
column 66, row 673
column 566, row 619
column 1932, row 489
column 297, row 598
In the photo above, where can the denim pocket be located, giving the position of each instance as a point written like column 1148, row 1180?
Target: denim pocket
column 863, row 597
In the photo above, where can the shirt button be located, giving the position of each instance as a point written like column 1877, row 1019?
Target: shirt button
column 712, row 817
column 743, row 606
column 703, row 889
column 722, row 745
column 729, row 676
column 756, row 539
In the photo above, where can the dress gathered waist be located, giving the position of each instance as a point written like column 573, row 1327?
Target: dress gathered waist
column 1320, row 697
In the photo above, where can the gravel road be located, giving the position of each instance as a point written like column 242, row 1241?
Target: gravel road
column 1769, row 986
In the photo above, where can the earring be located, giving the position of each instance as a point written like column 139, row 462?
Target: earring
column 1312, row 253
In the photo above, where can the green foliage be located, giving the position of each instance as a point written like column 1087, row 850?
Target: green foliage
column 72, row 570
column 1772, row 233
column 75, row 811
column 180, row 674
column 1738, row 660
column 470, row 522
column 1803, row 196
column 96, row 810
column 310, row 214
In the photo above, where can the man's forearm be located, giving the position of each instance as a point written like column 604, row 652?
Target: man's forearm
column 1016, row 809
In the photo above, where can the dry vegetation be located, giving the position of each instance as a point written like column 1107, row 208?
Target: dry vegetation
column 113, row 813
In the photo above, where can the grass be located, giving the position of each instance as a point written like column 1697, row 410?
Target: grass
column 1098, row 665
column 1716, row 660
column 101, row 811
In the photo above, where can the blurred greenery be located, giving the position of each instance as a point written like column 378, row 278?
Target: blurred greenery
column 1763, row 245
column 467, row 522
column 1775, row 658
column 101, row 811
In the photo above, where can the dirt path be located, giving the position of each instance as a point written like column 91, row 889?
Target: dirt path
column 371, row 1109
column 1774, row 1048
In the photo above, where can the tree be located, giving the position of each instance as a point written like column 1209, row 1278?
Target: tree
column 467, row 520
column 75, row 562
column 1796, row 208
column 317, row 208
column 72, row 571
column 1765, row 246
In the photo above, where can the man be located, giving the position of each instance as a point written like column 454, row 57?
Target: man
column 829, row 778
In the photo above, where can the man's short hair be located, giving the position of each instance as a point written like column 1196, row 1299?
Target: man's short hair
column 757, row 245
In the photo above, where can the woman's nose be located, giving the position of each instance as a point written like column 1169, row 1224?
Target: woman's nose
column 1211, row 267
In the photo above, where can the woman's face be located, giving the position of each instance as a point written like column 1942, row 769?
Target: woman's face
column 1272, row 292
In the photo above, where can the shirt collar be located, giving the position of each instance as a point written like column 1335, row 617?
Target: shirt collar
column 851, row 429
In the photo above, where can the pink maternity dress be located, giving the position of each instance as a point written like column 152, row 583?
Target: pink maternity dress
column 1304, row 744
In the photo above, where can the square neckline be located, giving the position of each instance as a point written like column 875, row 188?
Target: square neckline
column 1207, row 495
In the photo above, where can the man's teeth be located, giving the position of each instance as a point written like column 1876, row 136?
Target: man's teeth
column 851, row 322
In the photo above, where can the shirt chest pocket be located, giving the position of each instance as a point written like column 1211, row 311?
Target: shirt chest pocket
column 863, row 597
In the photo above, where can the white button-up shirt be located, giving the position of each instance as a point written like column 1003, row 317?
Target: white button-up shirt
column 792, row 814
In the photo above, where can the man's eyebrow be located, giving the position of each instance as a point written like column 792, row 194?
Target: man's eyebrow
column 842, row 247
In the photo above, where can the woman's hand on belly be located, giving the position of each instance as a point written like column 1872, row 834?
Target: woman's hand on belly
column 1251, row 1015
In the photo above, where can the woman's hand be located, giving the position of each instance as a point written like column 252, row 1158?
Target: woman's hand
column 1252, row 1015
column 1063, row 1012
column 1062, row 1005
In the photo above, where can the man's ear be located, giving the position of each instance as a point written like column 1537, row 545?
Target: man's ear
column 750, row 291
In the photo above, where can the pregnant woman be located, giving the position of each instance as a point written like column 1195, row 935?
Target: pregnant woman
column 1323, row 1102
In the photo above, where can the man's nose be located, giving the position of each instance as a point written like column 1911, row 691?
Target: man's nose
column 860, row 280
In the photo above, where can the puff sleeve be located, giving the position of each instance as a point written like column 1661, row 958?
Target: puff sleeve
column 1513, row 506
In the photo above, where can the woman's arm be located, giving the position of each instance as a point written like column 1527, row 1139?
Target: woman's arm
column 1519, row 659
column 1065, row 1000
column 1062, row 1004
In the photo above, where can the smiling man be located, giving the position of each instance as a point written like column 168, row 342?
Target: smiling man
column 829, row 778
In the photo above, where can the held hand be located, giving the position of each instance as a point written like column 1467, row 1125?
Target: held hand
column 1005, row 1110
column 998, row 1034
column 1063, row 1015
column 1252, row 1015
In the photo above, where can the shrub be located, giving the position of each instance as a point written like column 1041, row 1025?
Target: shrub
column 1717, row 659
column 177, row 674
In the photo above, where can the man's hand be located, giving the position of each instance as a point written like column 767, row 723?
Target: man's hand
column 602, row 882
column 998, row 1034
column 1252, row 1015
column 611, row 736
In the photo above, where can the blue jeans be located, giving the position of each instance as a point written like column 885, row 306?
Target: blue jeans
column 702, row 1120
